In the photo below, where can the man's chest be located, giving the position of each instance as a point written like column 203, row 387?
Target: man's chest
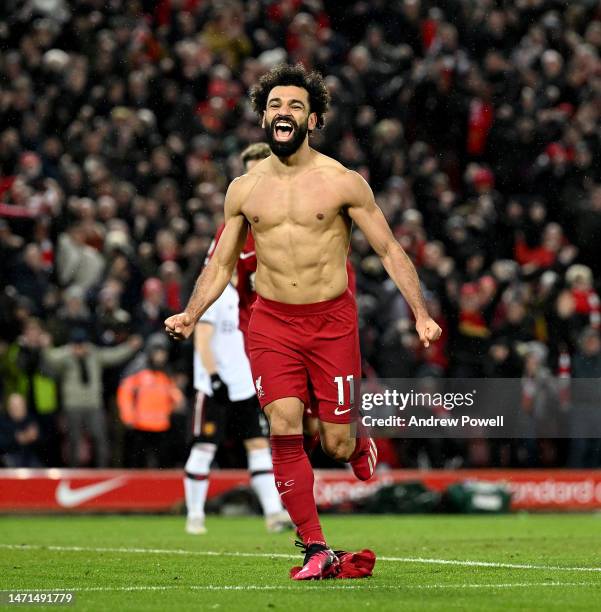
column 302, row 202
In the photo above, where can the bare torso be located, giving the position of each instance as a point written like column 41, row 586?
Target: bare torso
column 301, row 230
column 300, row 215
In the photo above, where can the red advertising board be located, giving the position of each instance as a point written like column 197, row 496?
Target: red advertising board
column 64, row 490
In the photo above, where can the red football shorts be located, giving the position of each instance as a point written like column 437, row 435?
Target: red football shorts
column 307, row 350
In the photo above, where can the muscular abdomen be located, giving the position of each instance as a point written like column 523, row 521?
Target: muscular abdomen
column 301, row 265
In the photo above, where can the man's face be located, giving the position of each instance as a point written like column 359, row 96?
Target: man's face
column 499, row 352
column 287, row 119
column 32, row 334
column 158, row 357
column 16, row 408
column 592, row 345
column 80, row 349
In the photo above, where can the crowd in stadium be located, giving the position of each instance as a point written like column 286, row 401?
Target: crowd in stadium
column 477, row 124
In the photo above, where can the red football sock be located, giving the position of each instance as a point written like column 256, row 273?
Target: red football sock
column 294, row 480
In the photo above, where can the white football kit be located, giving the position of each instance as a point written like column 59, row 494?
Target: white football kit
column 227, row 345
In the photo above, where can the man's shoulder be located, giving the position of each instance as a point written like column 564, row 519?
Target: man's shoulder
column 349, row 184
column 244, row 181
column 329, row 164
column 335, row 169
column 253, row 175
column 261, row 167
column 240, row 187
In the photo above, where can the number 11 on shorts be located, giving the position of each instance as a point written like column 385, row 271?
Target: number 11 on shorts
column 350, row 379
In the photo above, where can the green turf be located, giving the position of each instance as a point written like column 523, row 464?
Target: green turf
column 195, row 581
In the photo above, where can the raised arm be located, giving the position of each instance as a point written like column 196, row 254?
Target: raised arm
column 56, row 358
column 364, row 211
column 218, row 271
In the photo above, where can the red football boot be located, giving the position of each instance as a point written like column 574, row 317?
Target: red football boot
column 320, row 563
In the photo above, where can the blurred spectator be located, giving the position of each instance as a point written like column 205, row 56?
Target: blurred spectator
column 502, row 360
column 24, row 374
column 30, row 277
column 76, row 262
column 19, row 435
column 112, row 321
column 72, row 313
column 146, row 398
column 587, row 304
column 469, row 308
column 151, row 313
column 10, row 247
column 585, row 450
column 540, row 407
column 80, row 364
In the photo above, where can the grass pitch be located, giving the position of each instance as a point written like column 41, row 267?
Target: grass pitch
column 442, row 563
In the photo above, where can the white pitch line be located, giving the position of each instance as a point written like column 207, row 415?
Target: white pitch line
column 467, row 563
column 328, row 585
column 213, row 553
column 152, row 551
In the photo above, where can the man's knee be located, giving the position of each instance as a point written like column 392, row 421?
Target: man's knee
column 337, row 440
column 339, row 448
column 285, row 416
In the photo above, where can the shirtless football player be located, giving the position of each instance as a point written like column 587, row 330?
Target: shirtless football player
column 303, row 331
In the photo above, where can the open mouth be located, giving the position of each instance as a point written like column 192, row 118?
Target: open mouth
column 283, row 130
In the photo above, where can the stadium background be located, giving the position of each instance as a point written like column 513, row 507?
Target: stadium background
column 476, row 123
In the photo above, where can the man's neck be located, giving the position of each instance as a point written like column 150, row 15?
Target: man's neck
column 299, row 160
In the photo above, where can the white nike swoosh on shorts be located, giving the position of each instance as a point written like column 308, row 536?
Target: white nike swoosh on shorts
column 339, row 412
column 247, row 255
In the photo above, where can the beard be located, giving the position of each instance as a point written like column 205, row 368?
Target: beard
column 291, row 146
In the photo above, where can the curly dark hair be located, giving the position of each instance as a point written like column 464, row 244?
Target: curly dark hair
column 286, row 74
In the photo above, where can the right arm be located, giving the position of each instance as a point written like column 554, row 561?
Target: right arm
column 218, row 271
column 203, row 334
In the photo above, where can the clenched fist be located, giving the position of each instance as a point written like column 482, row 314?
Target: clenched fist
column 428, row 330
column 179, row 326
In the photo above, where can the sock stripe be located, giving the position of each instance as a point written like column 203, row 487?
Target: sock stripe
column 196, row 476
column 373, row 451
column 198, row 413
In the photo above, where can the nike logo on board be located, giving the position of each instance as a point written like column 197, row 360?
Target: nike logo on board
column 70, row 498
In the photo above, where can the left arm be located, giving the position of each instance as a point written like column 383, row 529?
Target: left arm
column 364, row 211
